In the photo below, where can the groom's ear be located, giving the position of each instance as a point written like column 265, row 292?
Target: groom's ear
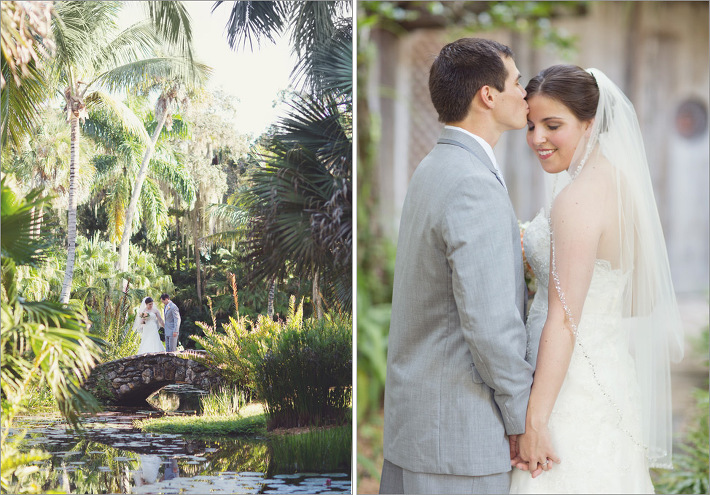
column 486, row 95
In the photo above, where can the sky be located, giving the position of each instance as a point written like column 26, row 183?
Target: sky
column 255, row 79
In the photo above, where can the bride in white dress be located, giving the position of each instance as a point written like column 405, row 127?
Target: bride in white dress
column 146, row 324
column 599, row 413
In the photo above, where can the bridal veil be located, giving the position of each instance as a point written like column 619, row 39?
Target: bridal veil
column 650, row 310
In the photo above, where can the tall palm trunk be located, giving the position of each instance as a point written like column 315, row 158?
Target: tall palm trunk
column 317, row 303
column 178, row 242
column 272, row 294
column 122, row 263
column 71, row 213
column 198, row 272
column 37, row 214
column 197, row 232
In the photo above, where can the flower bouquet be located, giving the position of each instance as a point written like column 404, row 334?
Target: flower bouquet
column 144, row 316
column 530, row 279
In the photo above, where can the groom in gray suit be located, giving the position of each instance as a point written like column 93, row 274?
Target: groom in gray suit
column 458, row 383
column 172, row 322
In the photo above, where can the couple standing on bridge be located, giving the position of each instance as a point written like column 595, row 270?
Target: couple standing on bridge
column 149, row 320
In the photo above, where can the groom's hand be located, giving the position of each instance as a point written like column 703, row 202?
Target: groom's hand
column 513, row 439
column 515, row 459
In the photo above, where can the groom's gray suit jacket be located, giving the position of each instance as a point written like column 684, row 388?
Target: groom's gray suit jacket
column 172, row 324
column 457, row 379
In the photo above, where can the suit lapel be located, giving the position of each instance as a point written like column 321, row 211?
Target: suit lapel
column 458, row 138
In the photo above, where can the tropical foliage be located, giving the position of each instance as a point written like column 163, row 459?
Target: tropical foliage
column 25, row 43
column 305, row 374
column 118, row 195
column 299, row 203
column 691, row 459
column 301, row 369
column 43, row 342
column 299, row 199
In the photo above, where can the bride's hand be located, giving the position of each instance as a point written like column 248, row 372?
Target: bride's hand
column 535, row 447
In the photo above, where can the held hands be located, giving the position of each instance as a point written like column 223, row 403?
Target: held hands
column 532, row 451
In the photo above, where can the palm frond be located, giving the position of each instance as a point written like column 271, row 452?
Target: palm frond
column 232, row 214
column 225, row 237
column 120, row 113
column 79, row 27
column 317, row 124
column 19, row 220
column 251, row 21
column 105, row 166
column 155, row 211
column 20, row 106
column 143, row 74
column 134, row 43
column 174, row 173
column 179, row 128
column 117, row 199
column 172, row 22
column 300, row 201
column 332, row 65
column 312, row 26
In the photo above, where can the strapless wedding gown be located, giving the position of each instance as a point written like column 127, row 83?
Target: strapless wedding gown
column 595, row 424
column 150, row 339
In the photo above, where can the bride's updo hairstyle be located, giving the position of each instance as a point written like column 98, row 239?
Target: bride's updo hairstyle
column 148, row 300
column 571, row 85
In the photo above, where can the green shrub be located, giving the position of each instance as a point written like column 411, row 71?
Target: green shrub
column 233, row 351
column 237, row 349
column 305, row 376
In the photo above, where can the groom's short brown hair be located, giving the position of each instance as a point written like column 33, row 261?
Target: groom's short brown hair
column 460, row 70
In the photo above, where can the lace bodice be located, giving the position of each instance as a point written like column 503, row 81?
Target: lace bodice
column 607, row 285
column 536, row 242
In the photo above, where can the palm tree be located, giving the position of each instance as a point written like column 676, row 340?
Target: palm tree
column 91, row 56
column 116, row 171
column 171, row 96
column 299, row 202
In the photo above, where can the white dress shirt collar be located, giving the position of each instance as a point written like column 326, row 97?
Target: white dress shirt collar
column 486, row 147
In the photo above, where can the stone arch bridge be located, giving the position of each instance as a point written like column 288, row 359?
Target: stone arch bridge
column 130, row 381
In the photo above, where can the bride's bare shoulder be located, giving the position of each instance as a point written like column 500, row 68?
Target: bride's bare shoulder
column 583, row 200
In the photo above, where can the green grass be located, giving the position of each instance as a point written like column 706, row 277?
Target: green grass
column 223, row 402
column 251, row 421
column 320, row 450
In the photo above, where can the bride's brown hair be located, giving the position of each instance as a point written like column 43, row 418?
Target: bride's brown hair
column 571, row 85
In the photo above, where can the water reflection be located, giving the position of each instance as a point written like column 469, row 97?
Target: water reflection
column 178, row 397
column 111, row 456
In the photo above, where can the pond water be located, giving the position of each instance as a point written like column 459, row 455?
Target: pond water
column 111, row 456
